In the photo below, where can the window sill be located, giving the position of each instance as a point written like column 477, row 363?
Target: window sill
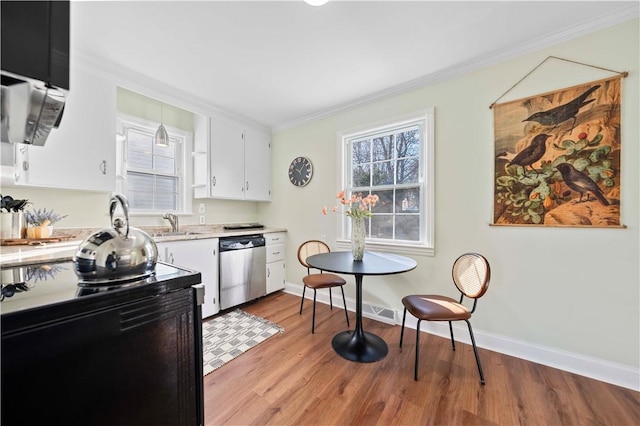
column 390, row 248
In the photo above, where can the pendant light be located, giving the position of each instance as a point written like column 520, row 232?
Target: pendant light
column 162, row 137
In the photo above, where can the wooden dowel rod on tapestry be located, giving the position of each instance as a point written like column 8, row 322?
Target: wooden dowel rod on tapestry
column 624, row 74
column 524, row 225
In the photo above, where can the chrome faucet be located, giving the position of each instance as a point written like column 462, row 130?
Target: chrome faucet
column 173, row 220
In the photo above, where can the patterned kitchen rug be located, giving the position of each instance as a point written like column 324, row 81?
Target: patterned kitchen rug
column 232, row 334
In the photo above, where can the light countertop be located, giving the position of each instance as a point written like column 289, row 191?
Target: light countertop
column 54, row 252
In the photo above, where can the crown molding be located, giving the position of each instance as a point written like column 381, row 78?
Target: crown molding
column 584, row 28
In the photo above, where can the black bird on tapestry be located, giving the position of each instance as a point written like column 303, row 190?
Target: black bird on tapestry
column 581, row 183
column 532, row 153
column 560, row 114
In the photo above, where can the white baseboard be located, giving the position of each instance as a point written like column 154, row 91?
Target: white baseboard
column 595, row 368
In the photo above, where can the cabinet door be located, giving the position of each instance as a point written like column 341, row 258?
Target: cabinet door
column 133, row 364
column 201, row 256
column 80, row 154
column 227, row 159
column 275, row 276
column 257, row 164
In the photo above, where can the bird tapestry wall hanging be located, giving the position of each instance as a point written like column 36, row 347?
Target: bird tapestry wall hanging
column 557, row 158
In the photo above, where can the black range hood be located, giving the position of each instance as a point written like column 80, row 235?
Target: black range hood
column 35, row 68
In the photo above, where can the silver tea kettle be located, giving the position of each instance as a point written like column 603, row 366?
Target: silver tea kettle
column 114, row 255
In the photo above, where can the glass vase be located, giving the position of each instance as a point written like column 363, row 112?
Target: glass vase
column 358, row 235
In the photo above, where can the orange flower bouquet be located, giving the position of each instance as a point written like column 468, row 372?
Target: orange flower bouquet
column 357, row 208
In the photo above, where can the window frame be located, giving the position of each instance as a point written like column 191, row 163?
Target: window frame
column 425, row 119
column 183, row 155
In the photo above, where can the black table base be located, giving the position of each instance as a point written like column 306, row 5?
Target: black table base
column 359, row 346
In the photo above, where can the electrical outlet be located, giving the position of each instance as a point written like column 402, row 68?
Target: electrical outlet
column 201, row 220
column 201, row 209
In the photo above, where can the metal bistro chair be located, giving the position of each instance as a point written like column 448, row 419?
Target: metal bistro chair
column 318, row 280
column 471, row 274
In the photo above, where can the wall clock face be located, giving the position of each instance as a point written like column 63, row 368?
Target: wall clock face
column 300, row 171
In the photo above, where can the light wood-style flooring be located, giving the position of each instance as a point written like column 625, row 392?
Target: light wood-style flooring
column 295, row 378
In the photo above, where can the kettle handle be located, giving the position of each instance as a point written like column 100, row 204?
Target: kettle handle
column 125, row 207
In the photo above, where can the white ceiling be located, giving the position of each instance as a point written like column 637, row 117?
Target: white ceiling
column 280, row 63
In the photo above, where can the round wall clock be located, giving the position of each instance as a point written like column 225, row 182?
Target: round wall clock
column 300, row 171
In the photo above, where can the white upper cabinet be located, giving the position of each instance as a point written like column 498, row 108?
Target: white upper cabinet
column 227, row 158
column 257, row 164
column 239, row 166
column 79, row 154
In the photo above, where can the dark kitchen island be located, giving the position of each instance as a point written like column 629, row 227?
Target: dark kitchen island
column 128, row 354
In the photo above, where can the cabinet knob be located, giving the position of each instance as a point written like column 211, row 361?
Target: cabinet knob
column 103, row 167
column 213, row 181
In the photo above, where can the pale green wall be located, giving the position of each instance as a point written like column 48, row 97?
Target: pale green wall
column 572, row 289
column 91, row 209
column 138, row 105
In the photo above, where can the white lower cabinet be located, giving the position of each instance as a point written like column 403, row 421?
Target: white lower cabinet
column 197, row 255
column 276, row 268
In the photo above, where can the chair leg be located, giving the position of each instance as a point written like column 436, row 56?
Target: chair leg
column 415, row 369
column 302, row 300
column 453, row 342
column 346, row 314
column 404, row 317
column 330, row 299
column 313, row 318
column 475, row 350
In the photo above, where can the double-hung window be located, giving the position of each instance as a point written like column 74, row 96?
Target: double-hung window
column 393, row 160
column 153, row 177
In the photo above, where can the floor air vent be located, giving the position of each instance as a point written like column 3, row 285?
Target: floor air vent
column 379, row 313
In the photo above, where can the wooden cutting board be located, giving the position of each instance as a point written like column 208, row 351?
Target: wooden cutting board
column 34, row 241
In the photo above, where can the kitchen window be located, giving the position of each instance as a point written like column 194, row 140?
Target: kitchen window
column 393, row 160
column 152, row 177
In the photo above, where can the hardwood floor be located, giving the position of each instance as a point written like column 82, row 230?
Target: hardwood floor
column 295, row 378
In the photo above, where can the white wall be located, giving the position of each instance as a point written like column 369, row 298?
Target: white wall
column 575, row 290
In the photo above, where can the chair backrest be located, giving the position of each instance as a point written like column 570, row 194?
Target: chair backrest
column 471, row 274
column 309, row 248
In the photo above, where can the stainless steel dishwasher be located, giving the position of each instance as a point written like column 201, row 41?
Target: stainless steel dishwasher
column 243, row 269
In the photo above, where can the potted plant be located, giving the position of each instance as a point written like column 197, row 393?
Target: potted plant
column 40, row 222
column 12, row 217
